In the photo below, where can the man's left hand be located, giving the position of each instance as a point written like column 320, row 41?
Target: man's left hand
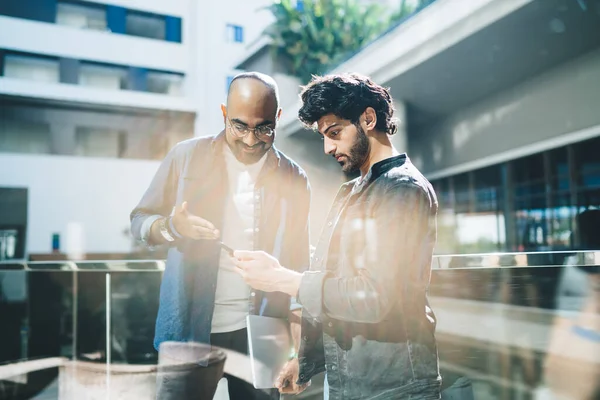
column 263, row 272
column 286, row 381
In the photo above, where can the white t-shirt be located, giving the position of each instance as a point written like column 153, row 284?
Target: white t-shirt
column 231, row 298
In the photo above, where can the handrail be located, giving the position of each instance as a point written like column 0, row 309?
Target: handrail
column 447, row 261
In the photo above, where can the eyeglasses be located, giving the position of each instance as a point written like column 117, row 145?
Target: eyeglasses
column 262, row 132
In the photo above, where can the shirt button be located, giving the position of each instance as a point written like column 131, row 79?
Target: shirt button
column 305, row 338
column 329, row 223
column 256, row 229
column 253, row 294
column 333, row 368
column 316, row 259
column 330, row 325
column 257, row 197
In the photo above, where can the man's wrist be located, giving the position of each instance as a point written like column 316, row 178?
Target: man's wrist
column 291, row 282
column 174, row 232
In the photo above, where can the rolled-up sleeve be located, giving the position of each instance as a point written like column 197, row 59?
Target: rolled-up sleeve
column 310, row 293
column 397, row 241
column 159, row 198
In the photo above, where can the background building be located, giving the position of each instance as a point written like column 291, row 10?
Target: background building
column 92, row 95
column 499, row 107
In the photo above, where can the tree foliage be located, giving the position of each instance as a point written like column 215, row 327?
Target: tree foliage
column 313, row 38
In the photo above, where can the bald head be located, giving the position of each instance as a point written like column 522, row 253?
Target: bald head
column 253, row 84
column 252, row 104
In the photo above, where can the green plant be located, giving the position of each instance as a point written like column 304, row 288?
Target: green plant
column 319, row 36
column 407, row 8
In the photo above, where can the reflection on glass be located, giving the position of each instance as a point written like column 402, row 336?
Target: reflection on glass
column 145, row 25
column 19, row 136
column 32, row 68
column 471, row 218
column 82, row 16
column 165, row 83
column 526, row 204
column 102, row 76
column 98, row 142
column 510, row 325
column 588, row 167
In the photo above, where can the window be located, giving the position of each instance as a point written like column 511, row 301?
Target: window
column 33, row 68
column 145, row 25
column 488, row 189
column 588, row 171
column 102, row 76
column 17, row 136
column 235, row 33
column 81, row 16
column 99, row 142
column 165, row 83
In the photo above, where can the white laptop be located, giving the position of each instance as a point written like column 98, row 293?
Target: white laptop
column 269, row 345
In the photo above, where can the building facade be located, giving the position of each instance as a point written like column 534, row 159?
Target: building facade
column 499, row 105
column 92, row 95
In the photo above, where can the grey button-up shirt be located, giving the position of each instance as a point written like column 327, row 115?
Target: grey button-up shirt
column 194, row 171
column 366, row 317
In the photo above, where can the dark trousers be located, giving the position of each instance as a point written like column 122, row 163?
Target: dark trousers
column 238, row 388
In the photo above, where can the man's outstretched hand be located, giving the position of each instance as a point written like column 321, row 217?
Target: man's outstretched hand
column 191, row 226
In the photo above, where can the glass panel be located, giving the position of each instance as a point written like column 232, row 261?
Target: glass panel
column 531, row 208
column 588, row 169
column 31, row 68
column 462, row 193
column 511, row 323
column 13, row 313
column 102, row 76
column 442, row 191
column 132, row 330
column 18, row 136
column 165, row 83
column 479, row 223
column 81, row 16
column 146, row 25
column 535, row 338
column 528, row 176
column 488, row 189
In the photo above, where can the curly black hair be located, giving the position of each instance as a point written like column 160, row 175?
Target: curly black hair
column 346, row 96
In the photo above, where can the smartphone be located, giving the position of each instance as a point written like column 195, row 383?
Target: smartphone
column 228, row 249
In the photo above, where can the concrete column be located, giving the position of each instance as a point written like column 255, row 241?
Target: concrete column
column 400, row 139
column 62, row 138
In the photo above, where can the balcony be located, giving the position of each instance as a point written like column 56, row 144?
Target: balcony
column 91, row 94
column 98, row 46
column 511, row 323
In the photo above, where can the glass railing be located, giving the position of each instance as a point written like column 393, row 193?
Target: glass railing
column 512, row 325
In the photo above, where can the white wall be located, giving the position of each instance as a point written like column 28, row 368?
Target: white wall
column 86, row 200
column 546, row 108
column 63, row 41
column 215, row 55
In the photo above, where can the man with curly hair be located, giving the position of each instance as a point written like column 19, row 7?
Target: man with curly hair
column 366, row 318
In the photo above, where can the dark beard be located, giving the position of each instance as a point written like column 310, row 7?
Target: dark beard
column 358, row 152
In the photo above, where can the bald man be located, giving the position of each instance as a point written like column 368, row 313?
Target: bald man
column 238, row 189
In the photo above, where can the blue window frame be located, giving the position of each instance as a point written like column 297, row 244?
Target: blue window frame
column 235, row 33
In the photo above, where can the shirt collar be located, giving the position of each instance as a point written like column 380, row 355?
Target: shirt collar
column 272, row 162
